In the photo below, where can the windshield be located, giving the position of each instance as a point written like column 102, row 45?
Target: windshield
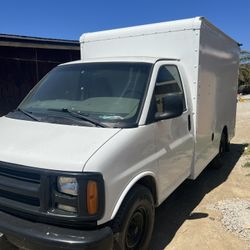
column 108, row 92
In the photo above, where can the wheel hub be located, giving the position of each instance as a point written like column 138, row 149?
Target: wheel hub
column 135, row 229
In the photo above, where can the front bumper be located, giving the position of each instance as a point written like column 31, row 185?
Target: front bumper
column 38, row 236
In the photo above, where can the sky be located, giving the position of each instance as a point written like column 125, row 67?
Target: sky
column 68, row 19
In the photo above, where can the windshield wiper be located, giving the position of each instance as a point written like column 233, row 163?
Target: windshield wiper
column 28, row 114
column 81, row 117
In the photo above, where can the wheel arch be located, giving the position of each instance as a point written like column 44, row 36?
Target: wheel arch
column 147, row 179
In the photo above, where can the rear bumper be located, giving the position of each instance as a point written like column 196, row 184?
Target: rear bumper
column 38, row 236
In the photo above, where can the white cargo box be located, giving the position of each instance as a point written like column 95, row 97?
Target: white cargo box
column 209, row 57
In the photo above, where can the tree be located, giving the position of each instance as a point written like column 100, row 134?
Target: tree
column 244, row 57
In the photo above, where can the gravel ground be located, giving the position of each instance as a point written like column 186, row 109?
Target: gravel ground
column 235, row 216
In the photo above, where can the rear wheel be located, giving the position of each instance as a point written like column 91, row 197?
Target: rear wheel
column 223, row 145
column 223, row 148
column 134, row 222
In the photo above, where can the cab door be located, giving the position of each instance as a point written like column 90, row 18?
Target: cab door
column 173, row 135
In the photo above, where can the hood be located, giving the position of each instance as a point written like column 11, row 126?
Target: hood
column 50, row 146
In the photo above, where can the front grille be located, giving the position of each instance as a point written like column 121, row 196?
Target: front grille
column 32, row 193
column 33, row 201
column 19, row 189
column 5, row 170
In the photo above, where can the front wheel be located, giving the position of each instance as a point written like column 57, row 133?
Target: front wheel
column 134, row 222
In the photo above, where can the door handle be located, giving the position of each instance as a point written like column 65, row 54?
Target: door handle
column 189, row 122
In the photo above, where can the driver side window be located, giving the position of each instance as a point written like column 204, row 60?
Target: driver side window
column 167, row 82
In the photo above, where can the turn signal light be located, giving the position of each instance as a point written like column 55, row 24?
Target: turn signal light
column 92, row 197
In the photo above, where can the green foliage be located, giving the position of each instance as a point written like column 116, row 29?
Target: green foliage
column 244, row 56
column 244, row 78
column 244, row 72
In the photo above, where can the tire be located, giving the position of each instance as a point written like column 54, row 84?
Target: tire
column 223, row 149
column 134, row 222
column 223, row 145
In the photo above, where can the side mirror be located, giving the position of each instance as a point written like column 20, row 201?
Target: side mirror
column 172, row 106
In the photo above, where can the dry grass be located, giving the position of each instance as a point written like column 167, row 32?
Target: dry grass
column 247, row 150
column 246, row 165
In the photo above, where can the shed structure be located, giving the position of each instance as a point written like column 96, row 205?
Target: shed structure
column 25, row 60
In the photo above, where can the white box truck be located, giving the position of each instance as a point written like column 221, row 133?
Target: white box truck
column 99, row 143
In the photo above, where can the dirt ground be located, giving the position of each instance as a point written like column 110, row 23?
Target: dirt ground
column 184, row 220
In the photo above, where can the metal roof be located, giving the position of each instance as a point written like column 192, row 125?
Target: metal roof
column 37, row 42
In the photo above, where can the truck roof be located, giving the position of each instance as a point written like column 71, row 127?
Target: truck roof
column 155, row 28
column 145, row 59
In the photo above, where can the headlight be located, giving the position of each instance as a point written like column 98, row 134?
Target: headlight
column 80, row 194
column 67, row 185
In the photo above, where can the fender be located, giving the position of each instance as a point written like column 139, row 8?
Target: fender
column 128, row 187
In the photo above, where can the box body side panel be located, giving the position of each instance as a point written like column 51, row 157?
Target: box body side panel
column 216, row 93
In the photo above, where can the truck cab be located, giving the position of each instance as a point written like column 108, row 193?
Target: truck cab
column 80, row 186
